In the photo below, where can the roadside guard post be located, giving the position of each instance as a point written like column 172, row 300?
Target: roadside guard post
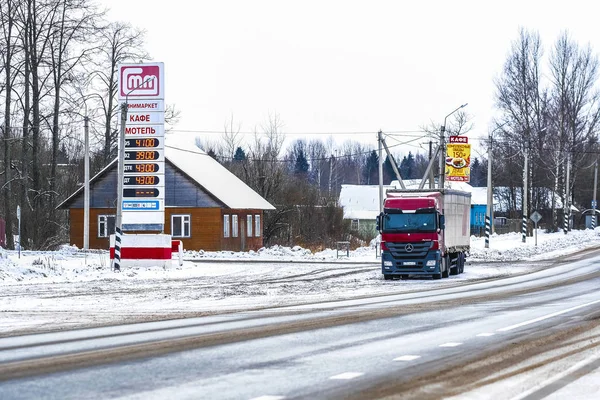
column 535, row 217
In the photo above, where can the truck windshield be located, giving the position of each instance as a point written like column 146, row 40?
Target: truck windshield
column 410, row 222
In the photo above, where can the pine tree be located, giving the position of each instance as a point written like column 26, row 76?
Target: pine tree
column 371, row 169
column 478, row 174
column 212, row 153
column 388, row 172
column 408, row 166
column 239, row 155
column 301, row 165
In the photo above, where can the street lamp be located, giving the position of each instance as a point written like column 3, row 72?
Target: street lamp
column 86, row 174
column 442, row 148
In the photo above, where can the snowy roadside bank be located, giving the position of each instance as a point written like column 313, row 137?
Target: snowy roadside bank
column 73, row 265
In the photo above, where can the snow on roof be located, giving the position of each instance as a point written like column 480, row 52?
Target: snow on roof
column 182, row 152
column 479, row 195
column 414, row 184
column 361, row 201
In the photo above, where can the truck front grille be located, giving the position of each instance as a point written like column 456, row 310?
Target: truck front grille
column 412, row 250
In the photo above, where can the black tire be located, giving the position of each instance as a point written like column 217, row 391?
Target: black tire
column 436, row 276
column 388, row 277
column 446, row 271
column 461, row 259
column 403, row 277
column 456, row 269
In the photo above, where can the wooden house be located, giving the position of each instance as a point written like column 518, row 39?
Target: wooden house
column 206, row 206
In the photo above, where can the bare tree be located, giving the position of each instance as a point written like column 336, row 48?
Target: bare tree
column 75, row 24
column 120, row 43
column 231, row 137
column 8, row 47
column 576, row 107
column 519, row 98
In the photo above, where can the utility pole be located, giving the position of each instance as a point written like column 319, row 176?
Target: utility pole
column 594, row 195
column 442, row 153
column 489, row 212
column 380, row 141
column 442, row 162
column 431, row 181
column 567, row 211
column 330, row 173
column 86, row 185
column 525, row 192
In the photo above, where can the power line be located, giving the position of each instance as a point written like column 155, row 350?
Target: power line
column 288, row 133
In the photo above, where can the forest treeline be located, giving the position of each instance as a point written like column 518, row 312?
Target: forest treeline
column 58, row 63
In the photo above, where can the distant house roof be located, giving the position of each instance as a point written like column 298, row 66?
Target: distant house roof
column 205, row 171
column 214, row 177
column 362, row 201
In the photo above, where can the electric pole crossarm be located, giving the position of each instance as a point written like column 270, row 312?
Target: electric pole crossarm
column 393, row 162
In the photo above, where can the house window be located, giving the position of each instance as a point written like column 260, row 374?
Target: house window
column 257, row 229
column 226, row 226
column 354, row 225
column 106, row 225
column 249, row 225
column 180, row 226
column 234, row 226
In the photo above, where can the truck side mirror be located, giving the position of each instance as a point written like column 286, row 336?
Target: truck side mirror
column 378, row 222
column 442, row 222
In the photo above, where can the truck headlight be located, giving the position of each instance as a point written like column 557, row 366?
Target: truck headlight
column 387, row 263
column 431, row 263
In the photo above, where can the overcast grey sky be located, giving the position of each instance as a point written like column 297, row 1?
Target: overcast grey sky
column 341, row 66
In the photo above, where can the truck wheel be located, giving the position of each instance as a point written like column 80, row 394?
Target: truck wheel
column 446, row 271
column 461, row 263
column 403, row 277
column 388, row 277
column 436, row 276
column 456, row 269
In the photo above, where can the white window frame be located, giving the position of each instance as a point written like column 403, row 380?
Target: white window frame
column 249, row 225
column 103, row 225
column 226, row 225
column 257, row 229
column 186, row 221
column 234, row 226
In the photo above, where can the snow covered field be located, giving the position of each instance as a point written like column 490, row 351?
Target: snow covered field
column 71, row 288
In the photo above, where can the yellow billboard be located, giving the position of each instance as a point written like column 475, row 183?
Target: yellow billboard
column 458, row 159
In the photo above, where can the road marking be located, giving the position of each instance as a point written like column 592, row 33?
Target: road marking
column 347, row 375
column 406, row 358
column 531, row 321
column 450, row 344
column 268, row 397
column 486, row 334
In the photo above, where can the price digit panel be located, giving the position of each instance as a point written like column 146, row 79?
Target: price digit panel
column 141, row 180
column 140, row 192
column 144, row 143
column 142, row 168
column 142, row 155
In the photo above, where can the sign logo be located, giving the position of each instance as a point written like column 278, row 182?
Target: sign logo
column 459, row 139
column 140, row 81
column 409, row 248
